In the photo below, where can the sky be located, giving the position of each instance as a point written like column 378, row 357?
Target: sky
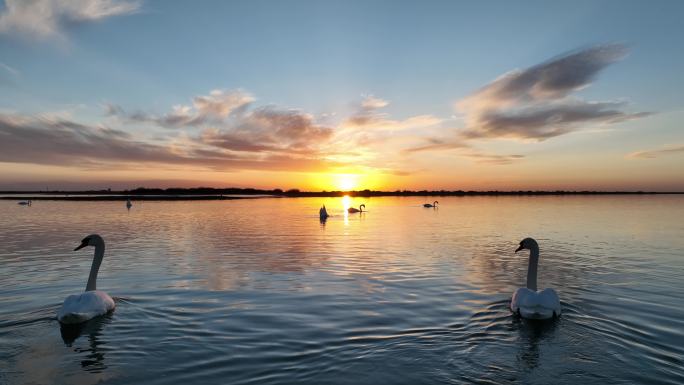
column 341, row 95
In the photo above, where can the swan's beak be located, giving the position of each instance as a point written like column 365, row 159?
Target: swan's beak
column 519, row 248
column 82, row 245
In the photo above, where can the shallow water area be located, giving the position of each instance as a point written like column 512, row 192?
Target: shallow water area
column 259, row 291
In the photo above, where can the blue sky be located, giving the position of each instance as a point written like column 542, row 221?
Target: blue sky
column 323, row 59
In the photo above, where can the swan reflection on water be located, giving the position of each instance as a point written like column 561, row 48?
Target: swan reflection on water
column 533, row 333
column 94, row 356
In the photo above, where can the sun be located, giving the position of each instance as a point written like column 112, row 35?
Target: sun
column 346, row 182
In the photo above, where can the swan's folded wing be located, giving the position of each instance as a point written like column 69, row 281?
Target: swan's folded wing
column 520, row 297
column 548, row 298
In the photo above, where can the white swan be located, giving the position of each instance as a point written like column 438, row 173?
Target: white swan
column 527, row 301
column 128, row 203
column 82, row 307
column 427, row 205
column 353, row 210
column 323, row 213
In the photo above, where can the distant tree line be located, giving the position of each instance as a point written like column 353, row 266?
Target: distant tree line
column 210, row 193
column 335, row 193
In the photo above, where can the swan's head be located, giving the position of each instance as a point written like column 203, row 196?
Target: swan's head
column 90, row 240
column 527, row 244
column 362, row 205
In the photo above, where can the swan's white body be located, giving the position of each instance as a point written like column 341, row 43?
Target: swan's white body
column 79, row 308
column 541, row 304
column 353, row 210
column 527, row 301
column 427, row 205
column 82, row 307
column 323, row 213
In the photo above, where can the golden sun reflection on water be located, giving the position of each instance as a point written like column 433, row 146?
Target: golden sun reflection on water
column 346, row 203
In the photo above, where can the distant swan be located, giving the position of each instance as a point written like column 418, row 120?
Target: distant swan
column 79, row 308
column 434, row 204
column 128, row 203
column 24, row 203
column 527, row 301
column 323, row 213
column 352, row 210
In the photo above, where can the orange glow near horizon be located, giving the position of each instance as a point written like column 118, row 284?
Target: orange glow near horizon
column 523, row 176
column 347, row 181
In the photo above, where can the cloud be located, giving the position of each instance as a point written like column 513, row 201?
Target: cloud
column 8, row 74
column 536, row 103
column 366, row 113
column 212, row 108
column 367, row 116
column 62, row 142
column 370, row 102
column 437, row 144
column 43, row 19
column 220, row 103
column 270, row 129
column 544, row 121
column 493, row 159
column 228, row 123
column 464, row 150
column 650, row 154
column 4, row 67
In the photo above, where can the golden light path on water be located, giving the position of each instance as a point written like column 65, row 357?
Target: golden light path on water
column 346, row 203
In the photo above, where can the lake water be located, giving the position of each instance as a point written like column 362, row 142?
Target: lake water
column 258, row 291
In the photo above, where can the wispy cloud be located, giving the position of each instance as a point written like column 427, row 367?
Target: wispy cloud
column 368, row 119
column 8, row 74
column 650, row 154
column 536, row 103
column 367, row 112
column 437, row 144
column 464, row 150
column 212, row 108
column 44, row 19
column 371, row 102
column 492, row 159
column 9, row 69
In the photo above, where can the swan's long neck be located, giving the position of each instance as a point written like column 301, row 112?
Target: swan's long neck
column 532, row 268
column 97, row 260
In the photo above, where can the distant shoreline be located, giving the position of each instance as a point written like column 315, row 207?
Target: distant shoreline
column 176, row 194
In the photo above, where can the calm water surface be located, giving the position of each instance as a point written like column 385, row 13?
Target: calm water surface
column 259, row 292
